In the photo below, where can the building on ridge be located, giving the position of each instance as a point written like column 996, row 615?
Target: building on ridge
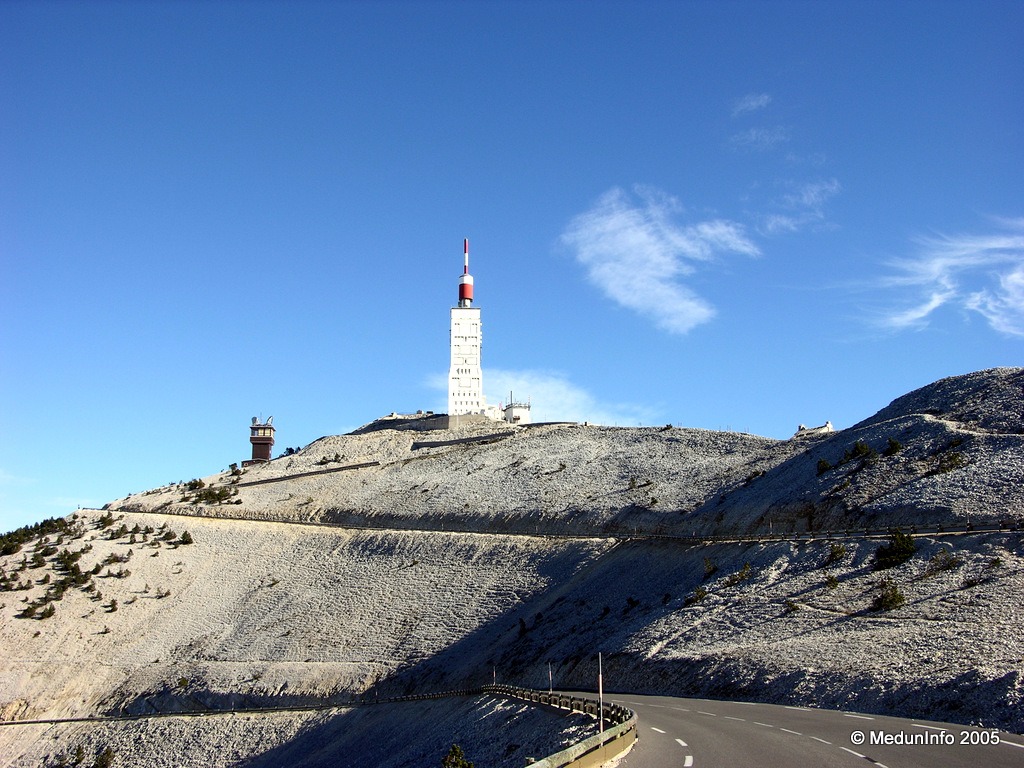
column 466, row 401
column 261, row 435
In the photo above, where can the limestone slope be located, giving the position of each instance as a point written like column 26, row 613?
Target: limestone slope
column 498, row 551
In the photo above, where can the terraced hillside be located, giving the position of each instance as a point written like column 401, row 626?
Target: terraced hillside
column 498, row 551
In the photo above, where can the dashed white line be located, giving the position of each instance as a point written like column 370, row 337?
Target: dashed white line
column 859, row 717
column 1011, row 743
column 801, row 709
column 729, row 717
column 858, row 754
column 821, row 740
column 688, row 762
column 656, row 729
column 680, row 709
column 922, row 725
column 763, row 725
column 681, row 742
column 709, row 714
column 795, row 733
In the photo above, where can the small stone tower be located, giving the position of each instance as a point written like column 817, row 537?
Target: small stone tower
column 262, row 438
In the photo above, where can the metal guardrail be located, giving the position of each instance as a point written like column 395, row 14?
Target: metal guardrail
column 592, row 751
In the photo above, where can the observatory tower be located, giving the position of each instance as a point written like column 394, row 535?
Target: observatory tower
column 261, row 435
column 465, row 377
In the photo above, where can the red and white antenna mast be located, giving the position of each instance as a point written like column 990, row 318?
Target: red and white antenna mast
column 466, row 281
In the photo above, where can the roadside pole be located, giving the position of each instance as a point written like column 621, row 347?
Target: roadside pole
column 600, row 695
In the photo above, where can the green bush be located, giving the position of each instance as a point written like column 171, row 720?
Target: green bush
column 823, row 466
column 743, row 574
column 698, row 596
column 709, row 568
column 889, row 596
column 894, row 447
column 900, row 548
column 947, row 462
column 860, row 450
column 943, row 560
column 836, row 553
column 831, row 581
column 455, row 758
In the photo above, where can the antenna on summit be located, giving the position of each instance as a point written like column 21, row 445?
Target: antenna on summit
column 466, row 281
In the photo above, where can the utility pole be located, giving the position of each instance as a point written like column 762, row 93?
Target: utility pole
column 550, row 688
column 600, row 695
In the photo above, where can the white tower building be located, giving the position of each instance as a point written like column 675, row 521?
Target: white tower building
column 465, row 376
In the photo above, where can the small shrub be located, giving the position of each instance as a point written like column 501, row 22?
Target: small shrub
column 666, row 598
column 943, row 560
column 823, row 466
column 105, row 759
column 831, row 582
column 195, row 485
column 186, row 538
column 792, row 606
column 889, row 596
column 860, row 450
column 894, row 447
column 900, row 548
column 743, row 574
column 455, row 758
column 709, row 568
column 836, row 553
column 699, row 594
column 947, row 462
column 48, row 611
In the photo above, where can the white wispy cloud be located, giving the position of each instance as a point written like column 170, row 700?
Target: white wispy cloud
column 552, row 397
column 636, row 252
column 803, row 205
column 750, row 103
column 760, row 138
column 978, row 273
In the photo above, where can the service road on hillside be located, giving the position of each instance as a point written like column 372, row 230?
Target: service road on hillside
column 702, row 733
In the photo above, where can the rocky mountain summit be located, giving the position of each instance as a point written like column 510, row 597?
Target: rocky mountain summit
column 399, row 559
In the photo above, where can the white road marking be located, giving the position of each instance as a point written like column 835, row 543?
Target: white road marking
column 680, row 709
column 657, row 706
column 709, row 714
column 656, row 729
column 801, row 709
column 681, row 742
column 933, row 727
column 859, row 717
column 763, row 724
column 688, row 761
column 858, row 754
column 748, row 703
column 1011, row 743
column 728, row 717
column 821, row 740
column 795, row 733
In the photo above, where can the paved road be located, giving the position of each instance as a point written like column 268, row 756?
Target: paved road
column 719, row 734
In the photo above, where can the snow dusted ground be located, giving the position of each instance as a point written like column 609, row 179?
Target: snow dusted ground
column 491, row 732
column 463, row 581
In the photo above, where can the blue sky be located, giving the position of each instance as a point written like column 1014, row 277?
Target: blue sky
column 727, row 215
